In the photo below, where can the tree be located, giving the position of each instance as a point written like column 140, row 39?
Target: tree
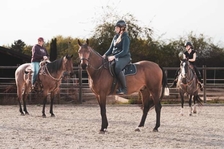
column 53, row 49
column 18, row 45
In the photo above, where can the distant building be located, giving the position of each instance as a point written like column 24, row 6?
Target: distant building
column 9, row 57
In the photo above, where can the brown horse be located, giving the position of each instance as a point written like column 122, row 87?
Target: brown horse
column 188, row 83
column 50, row 78
column 150, row 81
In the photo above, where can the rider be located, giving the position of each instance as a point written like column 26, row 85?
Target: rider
column 189, row 54
column 119, row 51
column 38, row 53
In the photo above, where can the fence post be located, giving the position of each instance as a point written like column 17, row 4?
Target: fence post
column 204, row 81
column 80, row 83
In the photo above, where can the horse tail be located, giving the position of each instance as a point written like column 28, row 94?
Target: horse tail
column 164, row 83
column 198, row 100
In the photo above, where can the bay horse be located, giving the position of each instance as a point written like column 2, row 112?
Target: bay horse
column 49, row 77
column 188, row 83
column 150, row 81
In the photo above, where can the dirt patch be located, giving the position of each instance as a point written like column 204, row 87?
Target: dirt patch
column 77, row 127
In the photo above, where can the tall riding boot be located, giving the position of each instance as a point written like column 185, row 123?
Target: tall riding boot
column 200, row 82
column 123, row 89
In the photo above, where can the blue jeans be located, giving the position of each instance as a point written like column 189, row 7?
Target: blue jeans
column 36, row 67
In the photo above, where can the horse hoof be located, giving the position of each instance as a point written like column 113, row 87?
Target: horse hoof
column 103, row 131
column 137, row 129
column 52, row 115
column 155, row 130
column 194, row 112
column 190, row 114
column 27, row 113
column 22, row 114
column 44, row 116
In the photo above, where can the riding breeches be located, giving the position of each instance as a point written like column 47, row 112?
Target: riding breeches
column 120, row 63
column 35, row 67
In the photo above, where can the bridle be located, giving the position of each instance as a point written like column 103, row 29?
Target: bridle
column 91, row 66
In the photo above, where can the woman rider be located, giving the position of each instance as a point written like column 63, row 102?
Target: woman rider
column 189, row 54
column 119, row 51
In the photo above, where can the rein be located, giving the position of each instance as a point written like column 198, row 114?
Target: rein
column 94, row 68
column 55, row 79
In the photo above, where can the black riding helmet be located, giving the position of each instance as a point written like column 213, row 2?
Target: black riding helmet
column 188, row 44
column 121, row 23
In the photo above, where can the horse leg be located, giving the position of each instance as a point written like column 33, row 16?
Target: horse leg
column 182, row 103
column 147, row 104
column 51, row 107
column 44, row 103
column 190, row 105
column 195, row 105
column 24, row 103
column 158, row 107
column 20, row 96
column 20, row 106
column 102, row 103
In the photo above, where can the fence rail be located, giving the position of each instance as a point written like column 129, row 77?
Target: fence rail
column 79, row 83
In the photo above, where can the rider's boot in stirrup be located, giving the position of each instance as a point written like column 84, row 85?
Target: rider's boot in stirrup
column 123, row 89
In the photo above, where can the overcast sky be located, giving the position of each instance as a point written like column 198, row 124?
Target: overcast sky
column 29, row 19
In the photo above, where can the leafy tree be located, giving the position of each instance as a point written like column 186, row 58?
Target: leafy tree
column 18, row 45
column 53, row 49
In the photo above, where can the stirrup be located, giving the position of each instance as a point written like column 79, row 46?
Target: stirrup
column 121, row 91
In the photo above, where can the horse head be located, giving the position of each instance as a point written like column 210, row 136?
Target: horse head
column 184, row 68
column 68, row 64
column 84, row 53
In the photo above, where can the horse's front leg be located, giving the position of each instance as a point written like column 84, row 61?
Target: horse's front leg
column 52, row 102
column 190, row 105
column 102, row 103
column 182, row 103
column 44, row 103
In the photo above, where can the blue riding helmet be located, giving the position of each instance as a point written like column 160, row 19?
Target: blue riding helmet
column 121, row 23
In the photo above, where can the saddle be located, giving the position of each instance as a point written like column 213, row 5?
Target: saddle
column 129, row 69
column 38, row 84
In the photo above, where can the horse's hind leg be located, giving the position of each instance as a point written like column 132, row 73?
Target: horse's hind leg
column 51, row 107
column 20, row 96
column 158, row 107
column 24, row 103
column 147, row 104
column 20, row 106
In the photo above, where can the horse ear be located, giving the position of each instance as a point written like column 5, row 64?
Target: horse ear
column 79, row 43
column 87, row 42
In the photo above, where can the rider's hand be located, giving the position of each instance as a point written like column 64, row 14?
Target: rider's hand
column 110, row 58
column 104, row 56
column 45, row 57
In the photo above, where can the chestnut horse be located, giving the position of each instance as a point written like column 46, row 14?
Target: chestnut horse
column 188, row 83
column 50, row 78
column 150, row 81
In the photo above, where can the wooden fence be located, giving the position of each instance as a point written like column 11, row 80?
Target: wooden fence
column 77, row 86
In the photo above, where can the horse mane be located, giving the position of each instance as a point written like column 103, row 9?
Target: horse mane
column 54, row 66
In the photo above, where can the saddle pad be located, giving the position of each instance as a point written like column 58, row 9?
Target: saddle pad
column 130, row 69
